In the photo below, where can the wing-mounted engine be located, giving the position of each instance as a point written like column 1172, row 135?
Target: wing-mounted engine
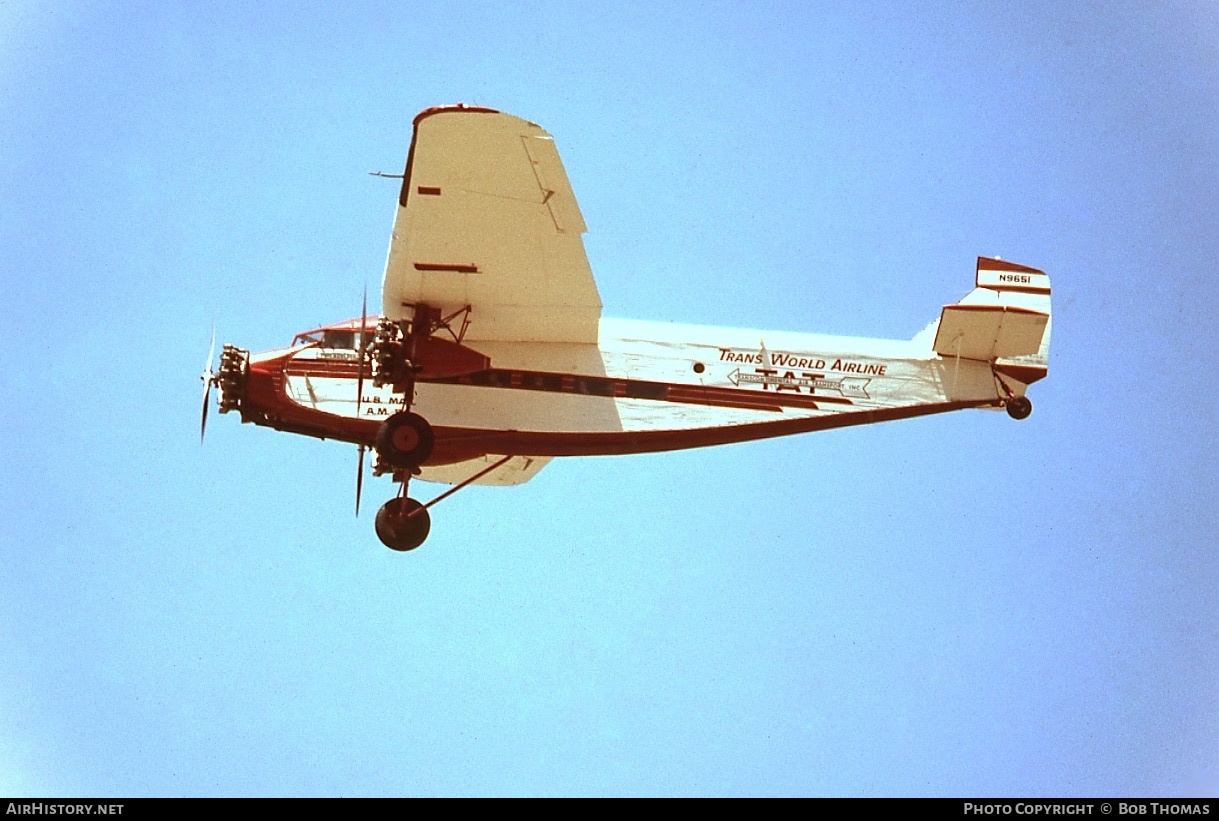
column 408, row 350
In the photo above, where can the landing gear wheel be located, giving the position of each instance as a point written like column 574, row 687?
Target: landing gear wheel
column 405, row 440
column 398, row 532
column 1019, row 407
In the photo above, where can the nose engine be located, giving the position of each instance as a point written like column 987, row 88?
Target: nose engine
column 232, row 376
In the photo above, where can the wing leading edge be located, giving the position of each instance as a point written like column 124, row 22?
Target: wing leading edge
column 487, row 219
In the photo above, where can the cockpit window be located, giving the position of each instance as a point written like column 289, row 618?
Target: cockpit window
column 334, row 339
column 307, row 339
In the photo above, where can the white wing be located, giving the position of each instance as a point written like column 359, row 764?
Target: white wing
column 517, row 470
column 487, row 218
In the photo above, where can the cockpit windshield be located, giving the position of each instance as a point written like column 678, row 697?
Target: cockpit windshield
column 344, row 340
column 307, row 338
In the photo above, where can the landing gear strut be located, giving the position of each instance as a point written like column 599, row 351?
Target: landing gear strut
column 403, row 523
column 1017, row 405
column 405, row 440
column 404, row 443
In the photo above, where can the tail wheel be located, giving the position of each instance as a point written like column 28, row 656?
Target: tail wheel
column 405, row 440
column 403, row 524
column 1019, row 407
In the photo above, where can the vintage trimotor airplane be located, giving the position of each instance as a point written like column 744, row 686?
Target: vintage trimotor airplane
column 490, row 356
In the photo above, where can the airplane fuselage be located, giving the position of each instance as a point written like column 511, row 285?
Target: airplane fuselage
column 646, row 386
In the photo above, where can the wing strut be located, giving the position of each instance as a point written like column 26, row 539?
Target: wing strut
column 458, row 487
column 403, row 523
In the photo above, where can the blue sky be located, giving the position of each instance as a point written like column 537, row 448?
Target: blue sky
column 958, row 605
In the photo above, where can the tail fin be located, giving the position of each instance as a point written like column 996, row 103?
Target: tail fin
column 1004, row 320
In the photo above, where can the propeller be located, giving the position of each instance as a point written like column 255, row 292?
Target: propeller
column 362, row 353
column 359, row 480
column 209, row 378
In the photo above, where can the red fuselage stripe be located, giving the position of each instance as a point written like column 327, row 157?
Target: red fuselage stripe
column 744, row 398
column 267, row 403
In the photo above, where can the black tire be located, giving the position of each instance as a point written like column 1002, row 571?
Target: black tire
column 1019, row 407
column 396, row 531
column 405, row 440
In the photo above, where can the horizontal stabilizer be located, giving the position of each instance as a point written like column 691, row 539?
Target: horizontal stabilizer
column 1006, row 316
column 988, row 332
